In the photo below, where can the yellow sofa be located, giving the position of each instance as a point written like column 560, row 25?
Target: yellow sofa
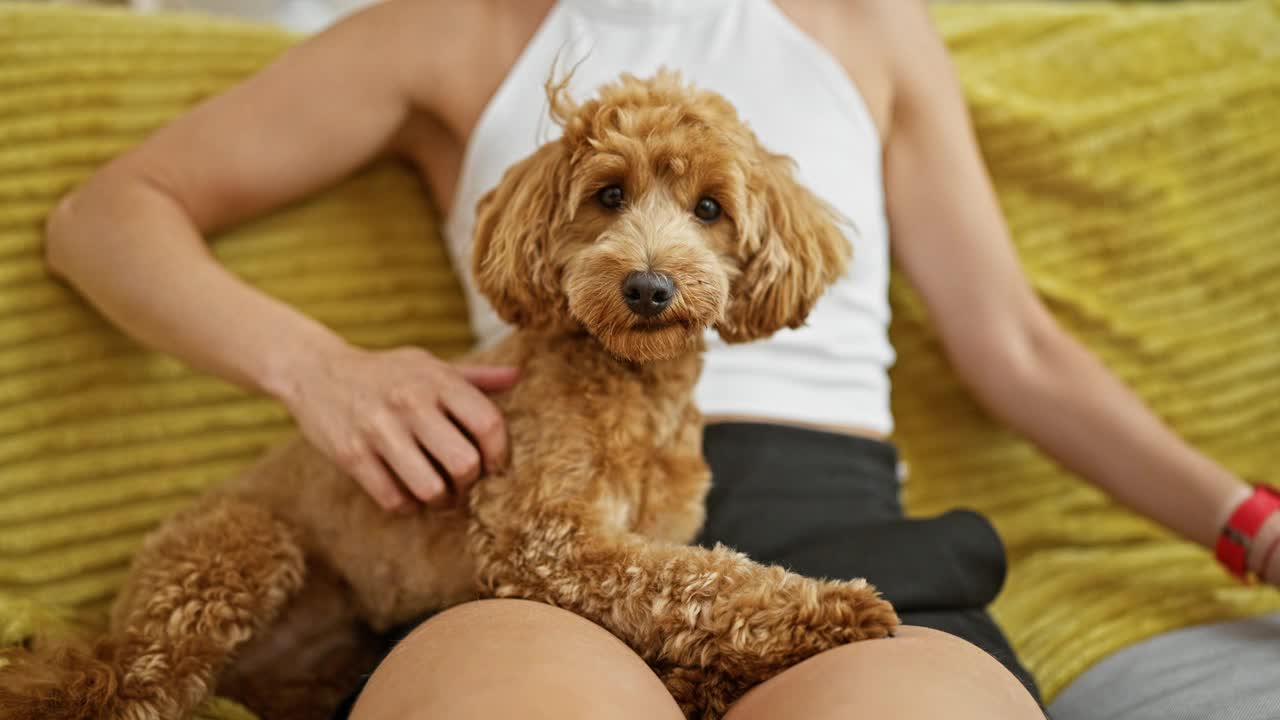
column 1136, row 153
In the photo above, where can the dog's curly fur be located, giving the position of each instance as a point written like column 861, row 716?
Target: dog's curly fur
column 261, row 589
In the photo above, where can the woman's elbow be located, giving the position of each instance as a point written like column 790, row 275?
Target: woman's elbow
column 83, row 222
column 61, row 230
column 1002, row 368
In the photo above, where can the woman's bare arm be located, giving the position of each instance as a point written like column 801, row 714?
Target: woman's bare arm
column 950, row 237
column 131, row 240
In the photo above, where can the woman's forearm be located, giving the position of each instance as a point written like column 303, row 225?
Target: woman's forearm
column 1066, row 402
column 138, row 258
column 402, row 423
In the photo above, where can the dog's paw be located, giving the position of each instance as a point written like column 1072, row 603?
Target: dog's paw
column 802, row 617
column 850, row 611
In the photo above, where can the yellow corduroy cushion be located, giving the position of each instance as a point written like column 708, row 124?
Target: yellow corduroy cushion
column 1135, row 157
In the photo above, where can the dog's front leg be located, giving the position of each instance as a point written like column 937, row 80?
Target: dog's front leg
column 703, row 613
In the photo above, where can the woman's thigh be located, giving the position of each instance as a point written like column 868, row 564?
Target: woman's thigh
column 511, row 658
column 920, row 673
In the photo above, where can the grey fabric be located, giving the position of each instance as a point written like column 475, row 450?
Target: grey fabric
column 1225, row 671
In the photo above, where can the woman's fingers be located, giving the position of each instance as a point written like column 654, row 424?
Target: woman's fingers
column 489, row 378
column 480, row 418
column 399, row 449
column 452, row 451
column 372, row 475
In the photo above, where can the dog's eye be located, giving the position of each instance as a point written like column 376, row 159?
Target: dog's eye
column 707, row 210
column 610, row 197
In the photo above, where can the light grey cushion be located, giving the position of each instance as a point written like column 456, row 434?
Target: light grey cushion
column 1225, row 671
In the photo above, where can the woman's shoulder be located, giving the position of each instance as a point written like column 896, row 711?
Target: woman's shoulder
column 457, row 52
column 865, row 37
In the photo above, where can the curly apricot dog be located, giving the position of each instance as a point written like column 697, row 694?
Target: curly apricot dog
column 655, row 216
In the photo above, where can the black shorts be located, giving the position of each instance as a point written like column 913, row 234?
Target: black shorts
column 827, row 505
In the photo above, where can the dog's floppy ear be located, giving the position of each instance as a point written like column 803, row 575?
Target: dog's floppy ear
column 792, row 250
column 515, row 223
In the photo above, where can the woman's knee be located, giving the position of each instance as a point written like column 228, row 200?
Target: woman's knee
column 920, row 673
column 511, row 658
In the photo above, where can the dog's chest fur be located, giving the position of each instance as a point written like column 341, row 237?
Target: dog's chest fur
column 583, row 421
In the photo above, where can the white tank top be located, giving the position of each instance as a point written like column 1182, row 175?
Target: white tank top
column 800, row 102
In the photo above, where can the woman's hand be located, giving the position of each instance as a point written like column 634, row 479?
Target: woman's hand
column 403, row 423
column 1264, row 559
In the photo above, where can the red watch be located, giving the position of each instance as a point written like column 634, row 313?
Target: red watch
column 1242, row 527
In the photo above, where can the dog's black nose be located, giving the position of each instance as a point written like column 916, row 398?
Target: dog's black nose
column 648, row 293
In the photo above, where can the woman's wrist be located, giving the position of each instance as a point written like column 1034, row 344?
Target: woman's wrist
column 1249, row 533
column 1229, row 505
column 288, row 369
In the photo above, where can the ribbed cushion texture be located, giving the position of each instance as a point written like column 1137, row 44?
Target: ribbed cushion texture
column 1135, row 152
